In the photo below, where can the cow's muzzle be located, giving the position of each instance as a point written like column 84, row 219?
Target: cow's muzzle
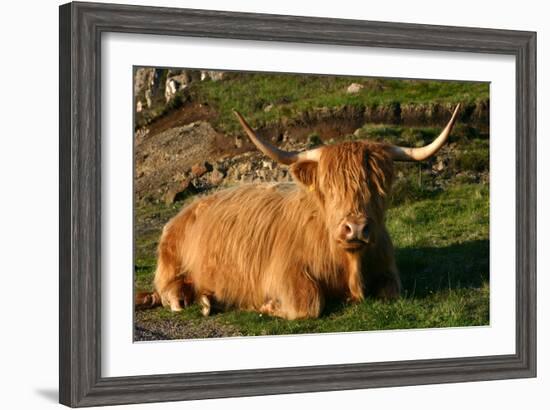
column 354, row 234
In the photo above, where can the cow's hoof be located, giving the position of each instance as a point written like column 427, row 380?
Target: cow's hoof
column 175, row 307
column 268, row 308
column 205, row 305
column 271, row 307
column 354, row 299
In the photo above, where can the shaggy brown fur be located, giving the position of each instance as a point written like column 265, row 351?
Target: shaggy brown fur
column 279, row 248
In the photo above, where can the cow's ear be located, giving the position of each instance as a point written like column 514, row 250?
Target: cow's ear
column 305, row 172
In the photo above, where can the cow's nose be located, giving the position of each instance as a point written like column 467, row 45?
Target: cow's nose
column 354, row 231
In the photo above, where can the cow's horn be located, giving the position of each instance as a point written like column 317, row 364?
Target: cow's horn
column 422, row 153
column 284, row 157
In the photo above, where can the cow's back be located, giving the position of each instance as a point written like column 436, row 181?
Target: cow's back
column 240, row 242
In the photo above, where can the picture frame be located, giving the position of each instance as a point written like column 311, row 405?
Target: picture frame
column 81, row 28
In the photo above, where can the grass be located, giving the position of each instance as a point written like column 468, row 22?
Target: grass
column 442, row 251
column 448, row 308
column 291, row 95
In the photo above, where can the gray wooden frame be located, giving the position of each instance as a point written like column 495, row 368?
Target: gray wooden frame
column 81, row 27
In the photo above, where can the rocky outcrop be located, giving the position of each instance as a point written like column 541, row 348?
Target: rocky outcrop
column 147, row 84
column 177, row 80
column 169, row 173
column 166, row 158
column 475, row 113
column 178, row 191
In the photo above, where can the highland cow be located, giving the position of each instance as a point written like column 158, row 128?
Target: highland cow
column 283, row 249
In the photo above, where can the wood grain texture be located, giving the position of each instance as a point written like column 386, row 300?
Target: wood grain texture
column 81, row 26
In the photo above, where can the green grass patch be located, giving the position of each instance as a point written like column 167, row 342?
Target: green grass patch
column 270, row 98
column 448, row 308
column 466, row 137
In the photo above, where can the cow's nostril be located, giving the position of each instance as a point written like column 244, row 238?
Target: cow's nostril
column 366, row 231
column 348, row 229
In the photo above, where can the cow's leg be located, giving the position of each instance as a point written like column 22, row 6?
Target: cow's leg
column 271, row 307
column 355, row 277
column 387, row 286
column 206, row 306
column 301, row 299
column 173, row 294
column 170, row 282
column 209, row 304
column 167, row 282
column 387, row 283
column 382, row 276
column 147, row 300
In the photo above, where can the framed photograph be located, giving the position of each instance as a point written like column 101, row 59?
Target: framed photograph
column 261, row 204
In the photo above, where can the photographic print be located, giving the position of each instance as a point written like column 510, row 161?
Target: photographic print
column 276, row 203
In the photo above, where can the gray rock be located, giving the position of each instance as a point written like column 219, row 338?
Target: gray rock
column 179, row 191
column 212, row 75
column 199, row 170
column 354, row 88
column 216, row 177
column 247, row 178
column 238, row 142
column 175, row 84
column 360, row 133
column 440, row 166
column 147, row 83
column 244, row 167
column 171, row 152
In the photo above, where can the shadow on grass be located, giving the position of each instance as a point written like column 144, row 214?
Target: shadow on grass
column 428, row 270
